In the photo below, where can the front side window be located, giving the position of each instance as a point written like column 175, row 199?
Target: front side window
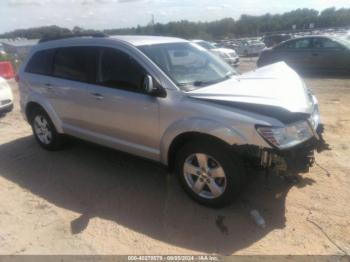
column 325, row 43
column 188, row 65
column 344, row 42
column 119, row 70
column 76, row 63
column 41, row 62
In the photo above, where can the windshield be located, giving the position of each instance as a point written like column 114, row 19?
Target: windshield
column 344, row 41
column 188, row 65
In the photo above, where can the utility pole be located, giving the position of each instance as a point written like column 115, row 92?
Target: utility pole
column 152, row 20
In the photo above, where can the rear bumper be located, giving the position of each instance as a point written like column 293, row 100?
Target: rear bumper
column 6, row 109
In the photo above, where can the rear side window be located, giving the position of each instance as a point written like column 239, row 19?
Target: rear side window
column 76, row 63
column 41, row 62
column 119, row 70
column 299, row 44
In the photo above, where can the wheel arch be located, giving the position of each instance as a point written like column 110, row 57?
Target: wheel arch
column 187, row 137
column 196, row 128
column 31, row 105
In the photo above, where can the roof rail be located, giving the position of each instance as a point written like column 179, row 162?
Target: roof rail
column 46, row 39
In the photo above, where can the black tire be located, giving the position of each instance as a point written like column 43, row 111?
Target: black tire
column 229, row 161
column 56, row 141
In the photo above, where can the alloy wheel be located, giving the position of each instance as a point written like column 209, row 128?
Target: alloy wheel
column 204, row 175
column 42, row 130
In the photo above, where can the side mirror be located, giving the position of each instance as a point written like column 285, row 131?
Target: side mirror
column 148, row 84
column 152, row 87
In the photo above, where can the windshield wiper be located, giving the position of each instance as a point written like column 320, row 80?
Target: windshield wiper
column 202, row 83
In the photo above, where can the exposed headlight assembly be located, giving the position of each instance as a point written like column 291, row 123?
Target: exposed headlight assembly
column 285, row 137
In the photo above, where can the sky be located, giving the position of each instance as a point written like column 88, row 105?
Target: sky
column 107, row 14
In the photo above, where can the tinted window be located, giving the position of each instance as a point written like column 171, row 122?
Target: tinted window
column 41, row 62
column 76, row 63
column 287, row 45
column 303, row 43
column 297, row 44
column 325, row 43
column 119, row 70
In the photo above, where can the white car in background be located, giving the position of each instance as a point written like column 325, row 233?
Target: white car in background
column 6, row 97
column 229, row 55
column 249, row 47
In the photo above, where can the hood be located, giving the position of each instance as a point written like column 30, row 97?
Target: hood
column 224, row 50
column 272, row 88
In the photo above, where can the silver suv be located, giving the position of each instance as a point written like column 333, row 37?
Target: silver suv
column 173, row 102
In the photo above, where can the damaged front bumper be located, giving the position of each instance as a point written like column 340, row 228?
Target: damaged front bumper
column 297, row 159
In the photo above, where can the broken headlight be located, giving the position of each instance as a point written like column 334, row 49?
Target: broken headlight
column 288, row 136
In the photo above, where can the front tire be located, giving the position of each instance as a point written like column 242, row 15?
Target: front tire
column 44, row 130
column 209, row 172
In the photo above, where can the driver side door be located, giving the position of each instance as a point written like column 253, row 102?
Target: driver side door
column 122, row 114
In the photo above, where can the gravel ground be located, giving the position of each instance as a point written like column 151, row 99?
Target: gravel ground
column 91, row 200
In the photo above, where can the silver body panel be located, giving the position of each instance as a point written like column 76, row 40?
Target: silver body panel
column 146, row 125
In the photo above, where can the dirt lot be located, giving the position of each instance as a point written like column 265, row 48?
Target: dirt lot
column 87, row 199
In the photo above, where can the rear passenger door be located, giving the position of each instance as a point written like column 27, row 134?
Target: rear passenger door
column 73, row 70
column 121, row 113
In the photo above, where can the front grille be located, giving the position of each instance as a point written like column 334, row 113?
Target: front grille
column 5, row 102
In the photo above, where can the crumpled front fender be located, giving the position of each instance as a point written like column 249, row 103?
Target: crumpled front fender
column 200, row 125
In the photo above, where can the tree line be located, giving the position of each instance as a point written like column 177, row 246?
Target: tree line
column 245, row 26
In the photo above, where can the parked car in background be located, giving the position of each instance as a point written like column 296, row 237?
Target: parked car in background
column 273, row 40
column 229, row 55
column 173, row 102
column 6, row 97
column 249, row 47
column 310, row 54
column 6, row 70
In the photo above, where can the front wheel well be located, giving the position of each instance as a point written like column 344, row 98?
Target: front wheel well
column 184, row 138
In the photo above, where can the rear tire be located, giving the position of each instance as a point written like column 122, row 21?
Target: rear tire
column 44, row 130
column 209, row 172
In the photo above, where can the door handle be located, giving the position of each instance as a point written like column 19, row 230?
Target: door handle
column 97, row 96
column 314, row 54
